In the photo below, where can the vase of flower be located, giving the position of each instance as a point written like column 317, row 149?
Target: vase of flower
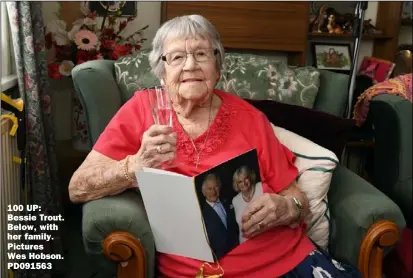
column 90, row 38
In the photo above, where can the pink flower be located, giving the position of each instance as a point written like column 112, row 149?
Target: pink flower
column 86, row 40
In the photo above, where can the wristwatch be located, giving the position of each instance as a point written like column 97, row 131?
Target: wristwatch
column 299, row 207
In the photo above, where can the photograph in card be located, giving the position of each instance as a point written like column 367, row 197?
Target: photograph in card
column 223, row 193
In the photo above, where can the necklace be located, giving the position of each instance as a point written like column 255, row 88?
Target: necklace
column 247, row 200
column 198, row 153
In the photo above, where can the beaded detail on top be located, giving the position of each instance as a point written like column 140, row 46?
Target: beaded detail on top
column 219, row 131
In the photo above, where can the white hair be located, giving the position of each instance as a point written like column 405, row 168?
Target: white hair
column 183, row 26
column 211, row 176
column 243, row 170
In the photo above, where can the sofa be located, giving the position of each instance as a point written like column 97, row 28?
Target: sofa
column 364, row 222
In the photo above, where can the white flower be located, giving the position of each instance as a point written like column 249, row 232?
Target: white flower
column 66, row 67
column 84, row 8
column 337, row 265
column 55, row 25
column 318, row 272
column 75, row 29
column 88, row 21
column 58, row 30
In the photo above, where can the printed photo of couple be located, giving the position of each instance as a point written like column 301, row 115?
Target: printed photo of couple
column 223, row 193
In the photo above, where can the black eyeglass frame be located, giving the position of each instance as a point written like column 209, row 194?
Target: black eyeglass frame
column 163, row 56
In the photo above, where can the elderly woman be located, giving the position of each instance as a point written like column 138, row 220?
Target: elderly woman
column 244, row 182
column 187, row 56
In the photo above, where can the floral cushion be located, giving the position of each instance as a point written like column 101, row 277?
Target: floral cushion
column 246, row 75
column 259, row 77
column 133, row 73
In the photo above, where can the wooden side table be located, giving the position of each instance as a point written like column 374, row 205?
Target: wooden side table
column 358, row 154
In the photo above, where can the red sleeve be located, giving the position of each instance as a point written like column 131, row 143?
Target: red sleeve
column 276, row 161
column 122, row 136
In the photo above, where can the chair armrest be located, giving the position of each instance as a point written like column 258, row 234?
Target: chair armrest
column 391, row 117
column 356, row 233
column 94, row 83
column 117, row 226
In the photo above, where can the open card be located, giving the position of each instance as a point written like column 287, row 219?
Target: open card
column 199, row 217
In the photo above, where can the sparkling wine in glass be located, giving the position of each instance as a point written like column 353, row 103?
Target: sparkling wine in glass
column 161, row 107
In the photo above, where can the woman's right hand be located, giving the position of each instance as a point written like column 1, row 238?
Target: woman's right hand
column 158, row 146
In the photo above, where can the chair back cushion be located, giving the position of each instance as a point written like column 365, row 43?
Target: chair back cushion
column 246, row 75
column 315, row 166
column 264, row 77
column 133, row 73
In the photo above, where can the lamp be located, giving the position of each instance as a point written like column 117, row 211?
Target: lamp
column 360, row 10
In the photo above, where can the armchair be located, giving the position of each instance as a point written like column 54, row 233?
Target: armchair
column 391, row 117
column 364, row 222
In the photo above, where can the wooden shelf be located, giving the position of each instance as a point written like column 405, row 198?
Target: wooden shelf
column 348, row 35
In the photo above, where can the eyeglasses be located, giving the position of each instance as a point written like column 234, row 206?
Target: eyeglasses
column 179, row 57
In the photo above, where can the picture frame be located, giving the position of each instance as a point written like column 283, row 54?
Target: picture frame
column 378, row 70
column 335, row 57
column 126, row 8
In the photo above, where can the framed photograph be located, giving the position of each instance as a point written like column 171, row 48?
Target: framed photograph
column 332, row 56
column 377, row 69
column 126, row 8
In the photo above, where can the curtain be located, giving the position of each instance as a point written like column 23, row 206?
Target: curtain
column 7, row 61
column 42, row 183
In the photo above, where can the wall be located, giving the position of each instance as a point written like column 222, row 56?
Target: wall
column 405, row 35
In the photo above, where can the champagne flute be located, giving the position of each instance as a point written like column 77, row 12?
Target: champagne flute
column 161, row 108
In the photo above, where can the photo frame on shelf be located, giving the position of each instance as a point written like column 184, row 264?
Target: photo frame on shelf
column 335, row 57
column 126, row 8
column 378, row 70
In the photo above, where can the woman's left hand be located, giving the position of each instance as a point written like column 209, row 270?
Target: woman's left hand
column 268, row 211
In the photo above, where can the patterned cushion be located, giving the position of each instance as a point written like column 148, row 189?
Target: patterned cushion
column 246, row 75
column 133, row 73
column 315, row 166
column 260, row 77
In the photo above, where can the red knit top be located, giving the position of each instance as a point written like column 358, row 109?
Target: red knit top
column 237, row 128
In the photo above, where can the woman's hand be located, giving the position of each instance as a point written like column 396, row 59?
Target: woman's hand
column 158, row 146
column 268, row 211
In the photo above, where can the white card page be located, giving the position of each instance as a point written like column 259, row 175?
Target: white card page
column 174, row 214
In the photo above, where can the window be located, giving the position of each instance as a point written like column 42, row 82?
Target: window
column 8, row 68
